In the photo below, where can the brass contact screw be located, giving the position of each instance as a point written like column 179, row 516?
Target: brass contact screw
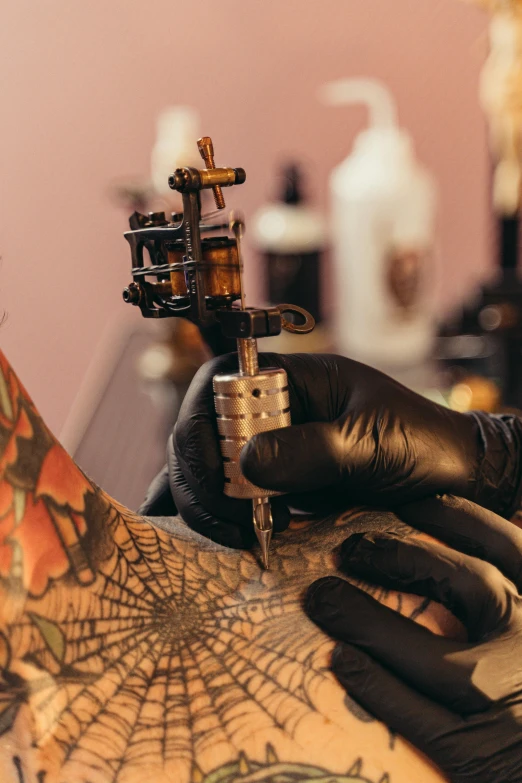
column 206, row 150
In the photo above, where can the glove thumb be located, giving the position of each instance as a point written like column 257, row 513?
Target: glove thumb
column 158, row 501
column 301, row 458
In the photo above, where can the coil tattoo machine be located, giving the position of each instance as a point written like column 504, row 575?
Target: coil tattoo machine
column 197, row 275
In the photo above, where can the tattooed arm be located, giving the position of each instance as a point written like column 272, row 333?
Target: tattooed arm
column 132, row 653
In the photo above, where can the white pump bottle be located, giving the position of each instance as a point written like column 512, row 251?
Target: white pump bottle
column 383, row 207
column 177, row 131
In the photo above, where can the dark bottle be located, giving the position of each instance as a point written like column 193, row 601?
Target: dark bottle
column 291, row 238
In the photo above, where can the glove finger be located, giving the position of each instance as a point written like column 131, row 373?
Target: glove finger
column 158, row 501
column 321, row 502
column 217, row 504
column 237, row 512
column 230, row 522
column 280, row 514
column 473, row 590
column 471, row 529
column 424, row 723
column 427, row 662
column 196, row 437
column 301, row 458
column 199, row 519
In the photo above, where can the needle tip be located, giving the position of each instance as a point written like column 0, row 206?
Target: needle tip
column 264, row 537
column 263, row 527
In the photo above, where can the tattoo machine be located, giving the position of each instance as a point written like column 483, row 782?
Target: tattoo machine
column 197, row 275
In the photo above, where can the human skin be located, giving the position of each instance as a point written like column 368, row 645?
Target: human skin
column 133, row 652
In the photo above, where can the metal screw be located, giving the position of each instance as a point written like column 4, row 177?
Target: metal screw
column 177, row 181
column 206, row 150
column 157, row 218
column 132, row 294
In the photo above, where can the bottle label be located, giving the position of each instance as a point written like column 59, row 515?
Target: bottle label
column 404, row 276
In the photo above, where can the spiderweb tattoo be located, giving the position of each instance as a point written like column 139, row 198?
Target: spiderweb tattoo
column 132, row 651
column 178, row 654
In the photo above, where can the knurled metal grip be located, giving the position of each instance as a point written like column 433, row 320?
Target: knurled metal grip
column 245, row 406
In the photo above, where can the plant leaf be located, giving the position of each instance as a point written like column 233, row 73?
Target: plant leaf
column 8, row 713
column 52, row 636
column 5, row 653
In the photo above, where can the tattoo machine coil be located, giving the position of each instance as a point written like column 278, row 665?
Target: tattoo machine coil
column 197, row 275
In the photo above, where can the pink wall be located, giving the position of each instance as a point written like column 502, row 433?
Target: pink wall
column 82, row 84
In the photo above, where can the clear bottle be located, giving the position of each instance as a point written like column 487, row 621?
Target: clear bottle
column 383, row 204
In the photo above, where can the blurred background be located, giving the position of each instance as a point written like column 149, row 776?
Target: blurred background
column 394, row 238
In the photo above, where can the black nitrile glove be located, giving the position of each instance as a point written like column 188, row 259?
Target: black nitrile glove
column 357, row 436
column 458, row 702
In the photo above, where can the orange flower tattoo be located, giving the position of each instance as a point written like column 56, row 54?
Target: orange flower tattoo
column 42, row 497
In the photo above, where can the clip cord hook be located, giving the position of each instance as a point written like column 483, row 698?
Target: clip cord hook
column 289, row 326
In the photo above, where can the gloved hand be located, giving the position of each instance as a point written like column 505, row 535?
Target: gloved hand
column 357, row 437
column 458, row 702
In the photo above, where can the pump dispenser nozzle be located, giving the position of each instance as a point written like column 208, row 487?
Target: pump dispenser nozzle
column 374, row 94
